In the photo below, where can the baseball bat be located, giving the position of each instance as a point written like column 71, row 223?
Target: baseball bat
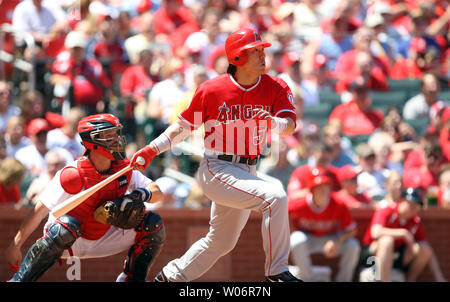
column 77, row 199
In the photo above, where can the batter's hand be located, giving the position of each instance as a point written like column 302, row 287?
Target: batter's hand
column 142, row 158
column 260, row 114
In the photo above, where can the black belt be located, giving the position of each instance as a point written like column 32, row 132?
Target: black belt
column 242, row 160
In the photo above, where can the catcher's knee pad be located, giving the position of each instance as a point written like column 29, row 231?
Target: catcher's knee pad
column 47, row 250
column 150, row 237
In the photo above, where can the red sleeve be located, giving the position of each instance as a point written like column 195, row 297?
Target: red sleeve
column 420, row 234
column 127, row 83
column 381, row 216
column 337, row 112
column 347, row 221
column 194, row 114
column 284, row 104
column 444, row 140
column 378, row 80
column 296, row 181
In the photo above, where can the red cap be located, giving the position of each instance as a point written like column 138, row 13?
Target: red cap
column 143, row 6
column 348, row 172
column 239, row 41
column 290, row 58
column 320, row 60
column 418, row 44
column 37, row 125
column 318, row 176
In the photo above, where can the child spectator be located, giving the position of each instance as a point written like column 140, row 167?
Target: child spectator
column 349, row 194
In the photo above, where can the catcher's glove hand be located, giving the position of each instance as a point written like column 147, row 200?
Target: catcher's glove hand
column 125, row 213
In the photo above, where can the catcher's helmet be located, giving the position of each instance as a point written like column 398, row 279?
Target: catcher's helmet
column 238, row 42
column 102, row 133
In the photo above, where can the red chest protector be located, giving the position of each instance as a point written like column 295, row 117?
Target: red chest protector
column 88, row 176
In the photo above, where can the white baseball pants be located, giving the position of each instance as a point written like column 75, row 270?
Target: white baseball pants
column 235, row 190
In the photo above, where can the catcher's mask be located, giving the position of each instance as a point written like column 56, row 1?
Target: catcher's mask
column 102, row 133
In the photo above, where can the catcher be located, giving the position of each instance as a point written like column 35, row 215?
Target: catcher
column 112, row 220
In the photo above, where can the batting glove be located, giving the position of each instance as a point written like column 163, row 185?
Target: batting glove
column 147, row 154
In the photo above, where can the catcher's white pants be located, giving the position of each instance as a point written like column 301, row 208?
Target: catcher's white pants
column 113, row 242
column 235, row 190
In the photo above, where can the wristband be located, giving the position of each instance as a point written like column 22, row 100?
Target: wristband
column 145, row 194
column 280, row 124
column 161, row 143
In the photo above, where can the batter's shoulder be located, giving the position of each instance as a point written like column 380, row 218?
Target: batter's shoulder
column 274, row 81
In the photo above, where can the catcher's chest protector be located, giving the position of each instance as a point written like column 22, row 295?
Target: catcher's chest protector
column 91, row 229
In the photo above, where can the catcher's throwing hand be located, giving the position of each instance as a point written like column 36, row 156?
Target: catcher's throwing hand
column 126, row 212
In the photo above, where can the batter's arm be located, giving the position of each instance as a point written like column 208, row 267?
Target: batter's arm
column 173, row 135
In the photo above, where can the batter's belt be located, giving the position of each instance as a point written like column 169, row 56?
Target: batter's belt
column 239, row 159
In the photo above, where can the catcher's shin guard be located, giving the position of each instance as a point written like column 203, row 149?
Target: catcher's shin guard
column 48, row 249
column 149, row 240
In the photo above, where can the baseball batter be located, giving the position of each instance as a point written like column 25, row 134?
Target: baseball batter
column 82, row 232
column 237, row 110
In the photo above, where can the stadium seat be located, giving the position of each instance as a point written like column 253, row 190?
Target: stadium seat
column 410, row 86
column 419, row 124
column 318, row 111
column 330, row 97
column 444, row 95
column 384, row 100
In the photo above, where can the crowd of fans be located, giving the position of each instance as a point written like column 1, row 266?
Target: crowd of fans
column 142, row 61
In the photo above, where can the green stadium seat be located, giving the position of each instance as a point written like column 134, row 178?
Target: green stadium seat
column 410, row 86
column 358, row 139
column 330, row 97
column 444, row 95
column 419, row 125
column 321, row 110
column 389, row 99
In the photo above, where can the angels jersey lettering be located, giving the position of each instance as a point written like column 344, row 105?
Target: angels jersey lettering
column 226, row 110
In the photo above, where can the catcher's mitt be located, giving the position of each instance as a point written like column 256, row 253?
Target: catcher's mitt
column 125, row 213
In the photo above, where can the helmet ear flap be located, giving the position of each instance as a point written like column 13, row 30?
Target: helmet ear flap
column 240, row 59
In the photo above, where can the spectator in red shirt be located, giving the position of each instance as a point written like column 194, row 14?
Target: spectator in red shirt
column 349, row 194
column 426, row 175
column 322, row 225
column 176, row 21
column 91, row 86
column 362, row 43
column 444, row 187
column 444, row 132
column 396, row 237
column 358, row 117
column 107, row 47
column 320, row 158
column 11, row 175
column 364, row 67
column 422, row 58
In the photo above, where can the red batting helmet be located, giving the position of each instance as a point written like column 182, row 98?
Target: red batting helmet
column 96, row 132
column 238, row 42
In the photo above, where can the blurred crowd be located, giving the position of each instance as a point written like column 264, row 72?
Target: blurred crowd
column 370, row 80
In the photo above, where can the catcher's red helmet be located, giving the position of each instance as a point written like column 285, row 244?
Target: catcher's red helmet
column 238, row 42
column 96, row 132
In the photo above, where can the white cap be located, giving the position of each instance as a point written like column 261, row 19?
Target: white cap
column 75, row 39
column 373, row 20
column 167, row 185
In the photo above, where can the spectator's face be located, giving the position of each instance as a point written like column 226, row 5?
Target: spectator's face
column 321, row 194
column 408, row 209
column 77, row 54
column 433, row 161
column 351, row 185
column 40, row 141
column 15, row 131
column 221, row 65
column 362, row 98
column 322, row 158
column 368, row 163
column 333, row 139
column 394, row 185
column 4, row 96
column 444, row 180
column 146, row 58
column 54, row 164
column 430, row 89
